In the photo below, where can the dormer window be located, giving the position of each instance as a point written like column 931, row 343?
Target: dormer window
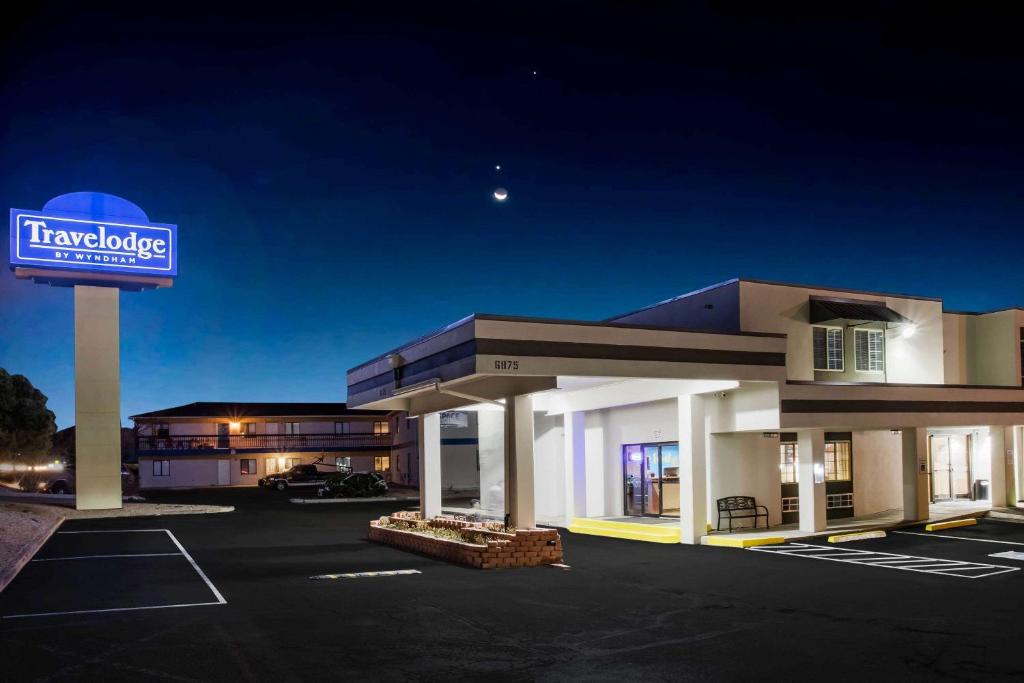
column 828, row 348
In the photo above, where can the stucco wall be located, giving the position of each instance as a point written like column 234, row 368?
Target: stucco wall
column 877, row 471
column 784, row 309
column 993, row 348
column 549, row 467
column 745, row 465
column 954, row 341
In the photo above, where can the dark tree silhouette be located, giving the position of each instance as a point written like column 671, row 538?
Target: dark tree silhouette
column 26, row 424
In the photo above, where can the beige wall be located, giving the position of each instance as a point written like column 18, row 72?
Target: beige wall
column 784, row 309
column 993, row 347
column 877, row 471
column 954, row 340
column 745, row 465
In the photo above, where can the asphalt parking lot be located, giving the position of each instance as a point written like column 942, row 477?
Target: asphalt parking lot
column 624, row 611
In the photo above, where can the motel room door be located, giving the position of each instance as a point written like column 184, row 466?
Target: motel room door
column 951, row 465
column 223, row 472
column 223, row 435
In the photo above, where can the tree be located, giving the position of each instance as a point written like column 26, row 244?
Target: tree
column 26, row 424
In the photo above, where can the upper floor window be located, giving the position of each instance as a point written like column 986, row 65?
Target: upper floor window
column 342, row 428
column 162, row 429
column 381, row 428
column 828, row 348
column 291, row 427
column 869, row 348
column 249, row 428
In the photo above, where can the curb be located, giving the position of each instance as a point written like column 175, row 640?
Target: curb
column 329, row 501
column 8, row 575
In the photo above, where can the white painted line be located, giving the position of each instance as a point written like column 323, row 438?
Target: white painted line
column 1009, row 555
column 209, row 584
column 108, row 609
column 220, row 598
column 111, row 531
column 910, row 563
column 100, row 557
column 957, row 538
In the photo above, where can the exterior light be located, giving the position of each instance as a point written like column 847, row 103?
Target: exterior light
column 908, row 330
column 234, row 426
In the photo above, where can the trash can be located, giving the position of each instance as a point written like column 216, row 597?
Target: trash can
column 981, row 489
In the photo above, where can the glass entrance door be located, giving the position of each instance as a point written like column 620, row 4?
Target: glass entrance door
column 950, row 456
column 651, row 479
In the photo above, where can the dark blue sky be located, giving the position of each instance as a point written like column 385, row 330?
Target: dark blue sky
column 331, row 170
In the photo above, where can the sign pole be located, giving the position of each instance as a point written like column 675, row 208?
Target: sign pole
column 97, row 398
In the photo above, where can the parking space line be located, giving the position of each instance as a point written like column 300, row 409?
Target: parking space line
column 100, row 557
column 183, row 553
column 958, row 538
column 910, row 563
column 107, row 609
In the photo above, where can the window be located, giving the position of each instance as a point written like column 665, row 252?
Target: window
column 291, row 428
column 162, row 429
column 342, row 428
column 788, row 462
column 343, row 462
column 828, row 348
column 837, row 461
column 247, row 465
column 161, row 468
column 380, row 428
column 292, row 462
column 271, row 465
column 791, row 504
column 868, row 346
column 250, row 429
column 381, row 463
column 839, row 500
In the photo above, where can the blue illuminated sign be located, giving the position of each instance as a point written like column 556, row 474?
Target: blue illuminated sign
column 93, row 232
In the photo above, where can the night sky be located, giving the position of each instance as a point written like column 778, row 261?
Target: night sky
column 331, row 170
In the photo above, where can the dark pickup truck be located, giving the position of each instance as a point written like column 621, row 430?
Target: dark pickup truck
column 299, row 475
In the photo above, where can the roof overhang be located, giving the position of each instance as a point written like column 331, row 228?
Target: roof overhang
column 827, row 309
column 489, row 358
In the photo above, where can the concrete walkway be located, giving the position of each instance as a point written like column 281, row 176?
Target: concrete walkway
column 889, row 519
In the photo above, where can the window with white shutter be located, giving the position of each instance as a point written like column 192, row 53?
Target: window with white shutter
column 869, row 350
column 828, row 348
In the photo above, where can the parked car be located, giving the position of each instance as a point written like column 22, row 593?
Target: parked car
column 299, row 475
column 358, row 485
column 62, row 481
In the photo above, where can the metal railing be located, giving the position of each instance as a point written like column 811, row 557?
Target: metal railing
column 259, row 442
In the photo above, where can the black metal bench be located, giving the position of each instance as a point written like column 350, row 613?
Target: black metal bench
column 740, row 507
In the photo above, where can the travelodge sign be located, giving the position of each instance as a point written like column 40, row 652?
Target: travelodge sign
column 93, row 232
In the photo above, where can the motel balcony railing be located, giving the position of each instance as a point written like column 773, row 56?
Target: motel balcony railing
column 203, row 443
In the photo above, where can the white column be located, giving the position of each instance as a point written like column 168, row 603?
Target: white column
column 1018, row 464
column 575, row 467
column 97, row 398
column 810, row 451
column 693, row 512
column 430, row 464
column 519, row 486
column 491, row 453
column 997, row 465
column 915, row 474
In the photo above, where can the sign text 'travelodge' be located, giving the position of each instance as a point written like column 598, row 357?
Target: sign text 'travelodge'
column 49, row 241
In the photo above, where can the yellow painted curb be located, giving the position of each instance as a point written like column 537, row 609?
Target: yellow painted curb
column 727, row 542
column 857, row 536
column 952, row 524
column 625, row 530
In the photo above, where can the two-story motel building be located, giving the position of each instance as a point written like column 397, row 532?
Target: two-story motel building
column 225, row 444
column 820, row 403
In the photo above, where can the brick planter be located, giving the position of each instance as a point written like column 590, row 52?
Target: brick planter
column 522, row 548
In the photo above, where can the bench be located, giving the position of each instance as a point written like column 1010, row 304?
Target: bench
column 740, row 507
